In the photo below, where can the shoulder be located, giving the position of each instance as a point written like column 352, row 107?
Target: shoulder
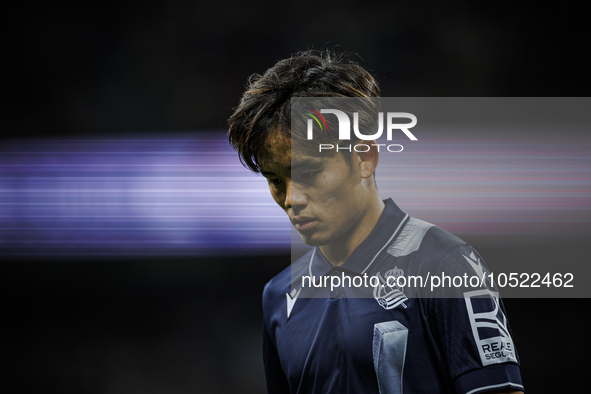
column 437, row 241
column 427, row 249
column 426, row 242
column 281, row 284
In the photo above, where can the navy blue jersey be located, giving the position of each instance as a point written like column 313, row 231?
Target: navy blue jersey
column 389, row 338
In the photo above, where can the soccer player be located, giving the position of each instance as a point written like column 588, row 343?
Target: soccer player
column 396, row 340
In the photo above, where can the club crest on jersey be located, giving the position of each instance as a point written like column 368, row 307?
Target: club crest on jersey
column 387, row 293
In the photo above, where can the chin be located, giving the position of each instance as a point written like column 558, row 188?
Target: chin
column 314, row 240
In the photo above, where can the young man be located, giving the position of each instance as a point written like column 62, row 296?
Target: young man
column 397, row 340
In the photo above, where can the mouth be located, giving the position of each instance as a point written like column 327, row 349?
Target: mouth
column 303, row 223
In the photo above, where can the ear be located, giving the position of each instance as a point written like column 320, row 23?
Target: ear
column 369, row 159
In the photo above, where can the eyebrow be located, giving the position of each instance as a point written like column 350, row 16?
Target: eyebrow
column 266, row 173
column 305, row 163
column 296, row 166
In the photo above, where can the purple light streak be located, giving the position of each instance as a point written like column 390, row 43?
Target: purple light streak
column 188, row 195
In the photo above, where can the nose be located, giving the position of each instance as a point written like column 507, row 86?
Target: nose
column 294, row 197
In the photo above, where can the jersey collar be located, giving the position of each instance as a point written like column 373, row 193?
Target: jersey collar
column 383, row 234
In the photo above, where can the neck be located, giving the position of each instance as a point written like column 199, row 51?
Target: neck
column 339, row 251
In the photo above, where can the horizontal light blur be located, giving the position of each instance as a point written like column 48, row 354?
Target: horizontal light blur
column 188, row 194
column 517, row 187
column 185, row 195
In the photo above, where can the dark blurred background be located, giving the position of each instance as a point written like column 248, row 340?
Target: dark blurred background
column 131, row 68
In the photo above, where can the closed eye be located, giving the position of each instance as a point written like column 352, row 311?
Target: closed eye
column 309, row 175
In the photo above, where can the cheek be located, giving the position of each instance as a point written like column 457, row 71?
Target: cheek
column 332, row 197
column 337, row 186
column 339, row 197
column 277, row 195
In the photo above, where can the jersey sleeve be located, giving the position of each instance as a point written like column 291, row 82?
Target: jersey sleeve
column 275, row 377
column 471, row 327
column 276, row 380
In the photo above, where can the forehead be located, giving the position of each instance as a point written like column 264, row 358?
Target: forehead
column 276, row 151
column 280, row 153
